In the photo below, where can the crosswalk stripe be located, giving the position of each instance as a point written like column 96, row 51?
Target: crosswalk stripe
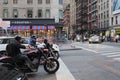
column 118, row 59
column 63, row 73
column 111, row 53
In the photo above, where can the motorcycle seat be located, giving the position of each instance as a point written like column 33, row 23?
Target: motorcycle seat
column 6, row 59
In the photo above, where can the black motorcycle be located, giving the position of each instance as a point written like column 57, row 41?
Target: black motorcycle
column 51, row 52
column 37, row 56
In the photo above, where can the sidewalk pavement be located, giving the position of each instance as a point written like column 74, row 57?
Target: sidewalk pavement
column 68, row 46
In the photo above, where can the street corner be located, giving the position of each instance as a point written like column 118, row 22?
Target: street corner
column 67, row 47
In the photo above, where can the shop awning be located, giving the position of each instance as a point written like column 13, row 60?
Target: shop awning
column 33, row 27
column 51, row 27
column 39, row 27
column 20, row 28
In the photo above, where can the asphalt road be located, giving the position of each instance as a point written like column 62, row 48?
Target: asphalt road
column 112, row 43
column 87, row 62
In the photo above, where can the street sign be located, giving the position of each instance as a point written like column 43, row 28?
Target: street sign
column 0, row 19
column 5, row 24
column 56, row 19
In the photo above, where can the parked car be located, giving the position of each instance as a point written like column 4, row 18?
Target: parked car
column 7, row 73
column 94, row 39
column 78, row 38
column 6, row 40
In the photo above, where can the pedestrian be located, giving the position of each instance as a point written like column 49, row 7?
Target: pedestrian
column 116, row 38
column 32, row 41
column 13, row 50
column 73, row 37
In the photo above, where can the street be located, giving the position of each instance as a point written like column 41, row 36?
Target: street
column 88, row 62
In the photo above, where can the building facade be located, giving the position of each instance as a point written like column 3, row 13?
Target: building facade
column 114, row 19
column 103, row 15
column 32, row 9
column 65, row 3
column 22, row 12
column 72, row 16
column 92, row 15
column 81, row 15
column 66, row 20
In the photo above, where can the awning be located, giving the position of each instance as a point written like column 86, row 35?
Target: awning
column 51, row 27
column 39, row 27
column 33, row 27
column 20, row 28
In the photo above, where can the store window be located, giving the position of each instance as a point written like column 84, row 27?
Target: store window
column 39, row 1
column 15, row 1
column 47, row 13
column 29, row 13
column 15, row 13
column 40, row 13
column 5, row 13
column 29, row 1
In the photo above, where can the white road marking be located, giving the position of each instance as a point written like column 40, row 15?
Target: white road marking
column 88, row 49
column 111, row 53
column 118, row 59
column 63, row 73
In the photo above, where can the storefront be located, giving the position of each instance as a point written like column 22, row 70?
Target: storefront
column 117, row 31
column 38, row 27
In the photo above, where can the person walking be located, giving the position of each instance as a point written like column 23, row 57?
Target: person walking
column 116, row 38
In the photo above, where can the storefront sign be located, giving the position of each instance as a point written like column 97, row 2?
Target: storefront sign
column 21, row 22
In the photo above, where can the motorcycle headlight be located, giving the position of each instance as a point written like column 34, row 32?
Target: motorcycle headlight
column 90, row 40
column 19, row 78
column 97, row 39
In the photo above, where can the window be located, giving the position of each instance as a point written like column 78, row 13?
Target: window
column 112, row 20
column 15, row 1
column 47, row 1
column 101, row 15
column 29, row 13
column 39, row 13
column 60, row 1
column 5, row 1
column 107, row 23
column 15, row 13
column 5, row 13
column 116, row 19
column 107, row 14
column 29, row 1
column 60, row 14
column 39, row 1
column 47, row 13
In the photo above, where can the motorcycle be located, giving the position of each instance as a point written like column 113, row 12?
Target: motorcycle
column 53, row 50
column 50, row 64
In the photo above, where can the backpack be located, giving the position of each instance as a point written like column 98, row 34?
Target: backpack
column 11, row 49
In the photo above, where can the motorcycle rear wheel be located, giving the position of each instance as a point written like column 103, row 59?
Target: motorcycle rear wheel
column 51, row 66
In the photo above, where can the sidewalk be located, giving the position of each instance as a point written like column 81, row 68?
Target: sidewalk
column 68, row 46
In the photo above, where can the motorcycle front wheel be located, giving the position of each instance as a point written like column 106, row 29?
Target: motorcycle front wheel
column 51, row 66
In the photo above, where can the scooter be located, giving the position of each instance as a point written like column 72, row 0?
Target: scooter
column 50, row 64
